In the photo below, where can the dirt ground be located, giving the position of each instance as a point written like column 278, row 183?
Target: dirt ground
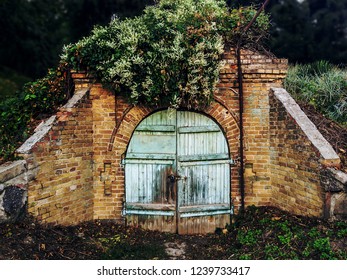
column 260, row 233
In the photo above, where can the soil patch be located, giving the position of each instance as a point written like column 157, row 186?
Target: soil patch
column 260, row 233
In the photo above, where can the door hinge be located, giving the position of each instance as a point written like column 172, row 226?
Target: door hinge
column 122, row 160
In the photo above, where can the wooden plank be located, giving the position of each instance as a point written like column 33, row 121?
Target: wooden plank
column 156, row 128
column 150, row 156
column 204, row 185
column 161, row 223
column 202, row 225
column 152, row 144
column 151, row 206
column 148, row 161
column 146, row 183
column 150, row 212
column 205, row 207
column 227, row 162
column 199, row 129
column 203, row 157
column 205, row 213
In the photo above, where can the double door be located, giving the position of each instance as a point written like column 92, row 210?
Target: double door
column 177, row 174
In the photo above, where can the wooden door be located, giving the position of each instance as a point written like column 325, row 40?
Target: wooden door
column 203, row 164
column 177, row 174
column 150, row 161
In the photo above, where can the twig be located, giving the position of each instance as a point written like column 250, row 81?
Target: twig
column 255, row 16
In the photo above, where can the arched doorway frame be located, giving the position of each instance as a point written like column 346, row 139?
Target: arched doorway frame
column 216, row 111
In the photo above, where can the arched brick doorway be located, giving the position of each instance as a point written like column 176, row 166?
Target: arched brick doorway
column 177, row 173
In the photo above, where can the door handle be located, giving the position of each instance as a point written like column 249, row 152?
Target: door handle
column 173, row 178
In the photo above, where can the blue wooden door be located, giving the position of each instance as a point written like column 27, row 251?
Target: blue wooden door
column 177, row 174
column 203, row 165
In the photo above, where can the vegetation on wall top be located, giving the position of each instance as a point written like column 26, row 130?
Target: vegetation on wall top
column 171, row 55
column 36, row 100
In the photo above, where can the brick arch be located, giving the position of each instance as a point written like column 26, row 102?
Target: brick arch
column 124, row 131
column 217, row 111
column 228, row 123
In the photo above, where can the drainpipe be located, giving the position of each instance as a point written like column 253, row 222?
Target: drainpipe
column 240, row 82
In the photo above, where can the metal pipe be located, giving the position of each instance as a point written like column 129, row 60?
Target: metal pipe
column 241, row 170
column 240, row 83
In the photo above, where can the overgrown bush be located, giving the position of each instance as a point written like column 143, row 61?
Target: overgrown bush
column 171, row 55
column 36, row 100
column 321, row 84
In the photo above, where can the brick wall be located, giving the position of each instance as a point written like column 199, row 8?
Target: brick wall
column 108, row 196
column 299, row 154
column 260, row 73
column 80, row 174
column 78, row 153
column 62, row 190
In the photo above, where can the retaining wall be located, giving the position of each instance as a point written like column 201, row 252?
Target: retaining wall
column 71, row 169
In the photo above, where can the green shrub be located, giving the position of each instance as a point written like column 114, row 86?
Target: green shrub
column 36, row 100
column 319, row 248
column 341, row 229
column 248, row 237
column 321, row 84
column 274, row 252
column 171, row 55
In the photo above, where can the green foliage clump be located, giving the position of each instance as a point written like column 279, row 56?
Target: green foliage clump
column 248, row 238
column 266, row 233
column 321, row 84
column 171, row 55
column 36, row 100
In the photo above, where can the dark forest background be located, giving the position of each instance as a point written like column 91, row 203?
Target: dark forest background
column 33, row 32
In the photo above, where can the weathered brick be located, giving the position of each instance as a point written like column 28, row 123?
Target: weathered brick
column 98, row 130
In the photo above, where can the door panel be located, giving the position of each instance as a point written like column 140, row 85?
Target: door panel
column 153, row 222
column 203, row 184
column 150, row 198
column 149, row 182
column 202, row 224
column 177, row 171
column 204, row 166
